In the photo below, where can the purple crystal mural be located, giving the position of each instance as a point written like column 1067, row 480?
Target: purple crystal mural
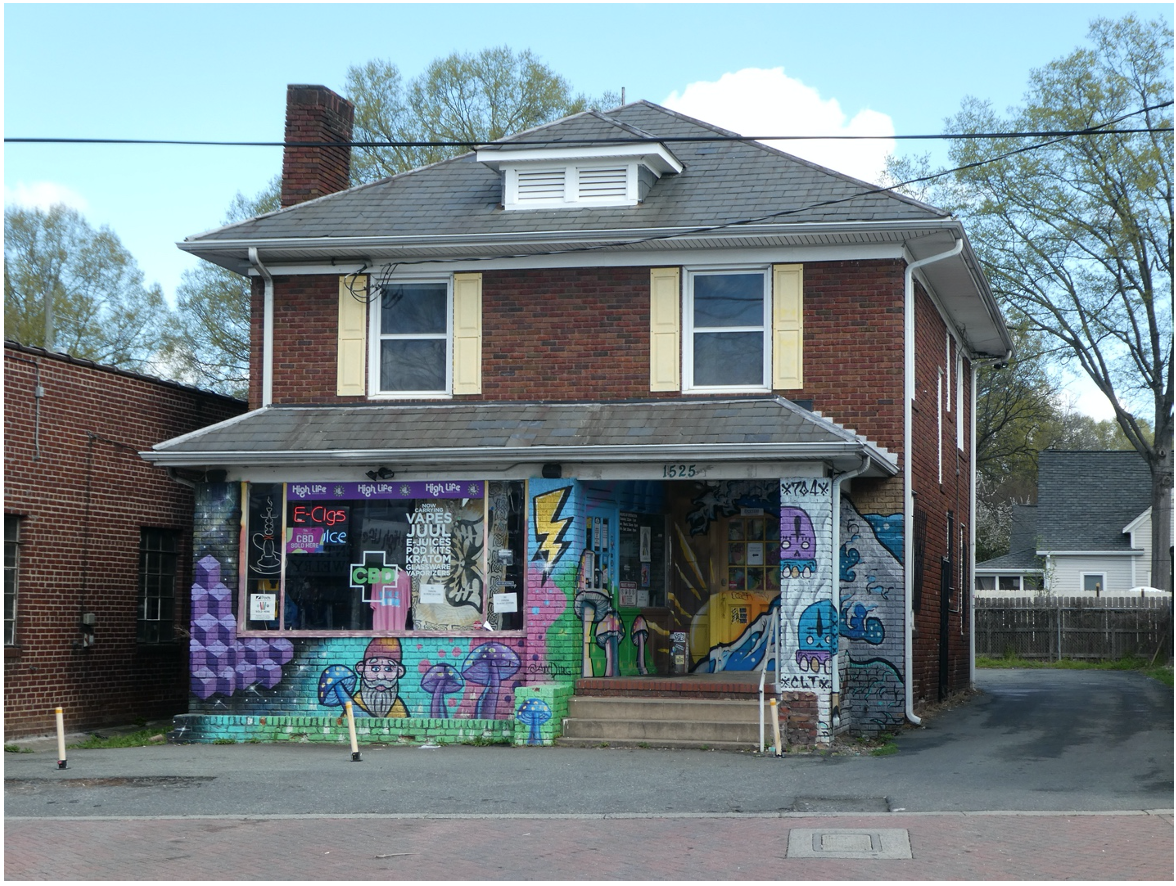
column 221, row 664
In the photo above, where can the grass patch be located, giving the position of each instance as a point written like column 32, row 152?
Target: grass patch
column 139, row 739
column 885, row 750
column 1163, row 673
column 16, row 749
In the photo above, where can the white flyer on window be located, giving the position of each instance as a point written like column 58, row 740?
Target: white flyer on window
column 506, row 602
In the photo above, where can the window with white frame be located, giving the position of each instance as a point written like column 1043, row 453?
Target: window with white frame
column 727, row 345
column 1094, row 582
column 11, row 575
column 412, row 338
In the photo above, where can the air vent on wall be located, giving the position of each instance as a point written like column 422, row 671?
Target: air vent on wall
column 541, row 184
column 603, row 182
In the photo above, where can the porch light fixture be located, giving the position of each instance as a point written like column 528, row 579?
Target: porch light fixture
column 552, row 471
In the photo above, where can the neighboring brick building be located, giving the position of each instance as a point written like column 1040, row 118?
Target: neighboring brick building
column 97, row 554
column 623, row 394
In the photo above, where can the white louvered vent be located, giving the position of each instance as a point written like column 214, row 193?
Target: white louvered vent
column 603, row 183
column 540, row 184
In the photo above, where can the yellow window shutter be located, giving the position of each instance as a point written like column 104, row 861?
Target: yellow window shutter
column 787, row 327
column 352, row 337
column 665, row 325
column 467, row 333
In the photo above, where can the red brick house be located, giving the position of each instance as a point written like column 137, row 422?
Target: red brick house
column 97, row 543
column 620, row 405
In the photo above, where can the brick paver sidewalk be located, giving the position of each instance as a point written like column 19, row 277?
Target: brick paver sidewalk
column 977, row 846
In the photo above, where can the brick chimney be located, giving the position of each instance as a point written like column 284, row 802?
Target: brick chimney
column 315, row 114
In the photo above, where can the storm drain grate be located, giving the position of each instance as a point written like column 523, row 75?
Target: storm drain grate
column 849, row 843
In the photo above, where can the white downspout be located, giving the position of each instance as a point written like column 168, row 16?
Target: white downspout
column 908, row 499
column 267, row 330
column 837, row 481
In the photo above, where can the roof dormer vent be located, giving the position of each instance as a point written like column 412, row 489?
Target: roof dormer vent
column 569, row 177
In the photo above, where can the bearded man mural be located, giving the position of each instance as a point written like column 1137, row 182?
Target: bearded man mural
column 379, row 675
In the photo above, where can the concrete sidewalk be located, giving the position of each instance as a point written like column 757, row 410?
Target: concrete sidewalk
column 993, row 846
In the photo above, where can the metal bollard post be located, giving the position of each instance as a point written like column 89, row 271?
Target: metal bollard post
column 776, row 727
column 355, row 758
column 61, row 764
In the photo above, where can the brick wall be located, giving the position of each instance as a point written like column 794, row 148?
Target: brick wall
column 583, row 333
column 84, row 497
column 315, row 114
column 936, row 499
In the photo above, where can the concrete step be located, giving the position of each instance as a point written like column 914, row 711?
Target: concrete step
column 677, row 709
column 674, row 744
column 627, row 721
column 661, row 730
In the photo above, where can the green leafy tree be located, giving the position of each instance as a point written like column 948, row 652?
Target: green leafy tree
column 463, row 97
column 1075, row 233
column 209, row 346
column 70, row 288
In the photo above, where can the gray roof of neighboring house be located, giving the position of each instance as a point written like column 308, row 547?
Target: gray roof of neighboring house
column 764, row 428
column 1084, row 499
column 1022, row 553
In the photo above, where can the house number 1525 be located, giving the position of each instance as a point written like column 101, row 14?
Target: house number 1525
column 672, row 471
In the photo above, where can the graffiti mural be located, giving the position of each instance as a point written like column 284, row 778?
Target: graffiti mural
column 220, row 663
column 555, row 631
column 872, row 618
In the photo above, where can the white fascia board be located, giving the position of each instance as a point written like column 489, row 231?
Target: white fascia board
column 485, row 455
column 626, row 259
column 1138, row 521
column 1134, row 552
column 653, row 154
column 339, row 247
column 988, row 570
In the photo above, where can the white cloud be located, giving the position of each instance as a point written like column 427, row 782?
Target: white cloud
column 755, row 101
column 42, row 195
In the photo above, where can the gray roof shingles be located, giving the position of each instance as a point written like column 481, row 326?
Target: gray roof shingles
column 719, row 184
column 1084, row 499
column 387, row 428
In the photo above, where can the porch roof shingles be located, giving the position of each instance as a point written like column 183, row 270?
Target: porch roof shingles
column 568, row 427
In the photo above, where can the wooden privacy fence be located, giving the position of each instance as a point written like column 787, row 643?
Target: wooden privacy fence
column 1052, row 628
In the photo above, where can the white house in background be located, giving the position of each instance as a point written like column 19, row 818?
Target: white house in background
column 1089, row 535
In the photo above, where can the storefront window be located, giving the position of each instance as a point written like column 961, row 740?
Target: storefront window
column 381, row 557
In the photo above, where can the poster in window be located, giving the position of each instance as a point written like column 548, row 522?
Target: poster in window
column 646, row 544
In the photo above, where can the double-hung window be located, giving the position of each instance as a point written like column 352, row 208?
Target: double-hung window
column 727, row 345
column 412, row 354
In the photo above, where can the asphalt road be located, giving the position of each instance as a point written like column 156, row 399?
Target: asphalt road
column 1039, row 740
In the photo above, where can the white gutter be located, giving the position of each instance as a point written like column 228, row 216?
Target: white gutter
column 836, row 558
column 488, row 455
column 267, row 331
column 908, row 499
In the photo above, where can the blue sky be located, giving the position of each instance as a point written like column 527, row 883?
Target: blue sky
column 219, row 72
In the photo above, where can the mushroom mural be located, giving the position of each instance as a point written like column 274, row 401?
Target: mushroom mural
column 590, row 606
column 439, row 681
column 608, row 637
column 488, row 665
column 638, row 633
column 336, row 685
column 533, row 714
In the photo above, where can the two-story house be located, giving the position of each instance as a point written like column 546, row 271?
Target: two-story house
column 621, row 400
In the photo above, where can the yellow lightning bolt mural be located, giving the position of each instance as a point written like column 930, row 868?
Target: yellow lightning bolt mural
column 551, row 527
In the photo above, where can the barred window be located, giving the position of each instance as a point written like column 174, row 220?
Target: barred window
column 158, row 556
column 11, row 576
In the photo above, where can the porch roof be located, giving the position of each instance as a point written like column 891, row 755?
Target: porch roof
column 506, row 433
